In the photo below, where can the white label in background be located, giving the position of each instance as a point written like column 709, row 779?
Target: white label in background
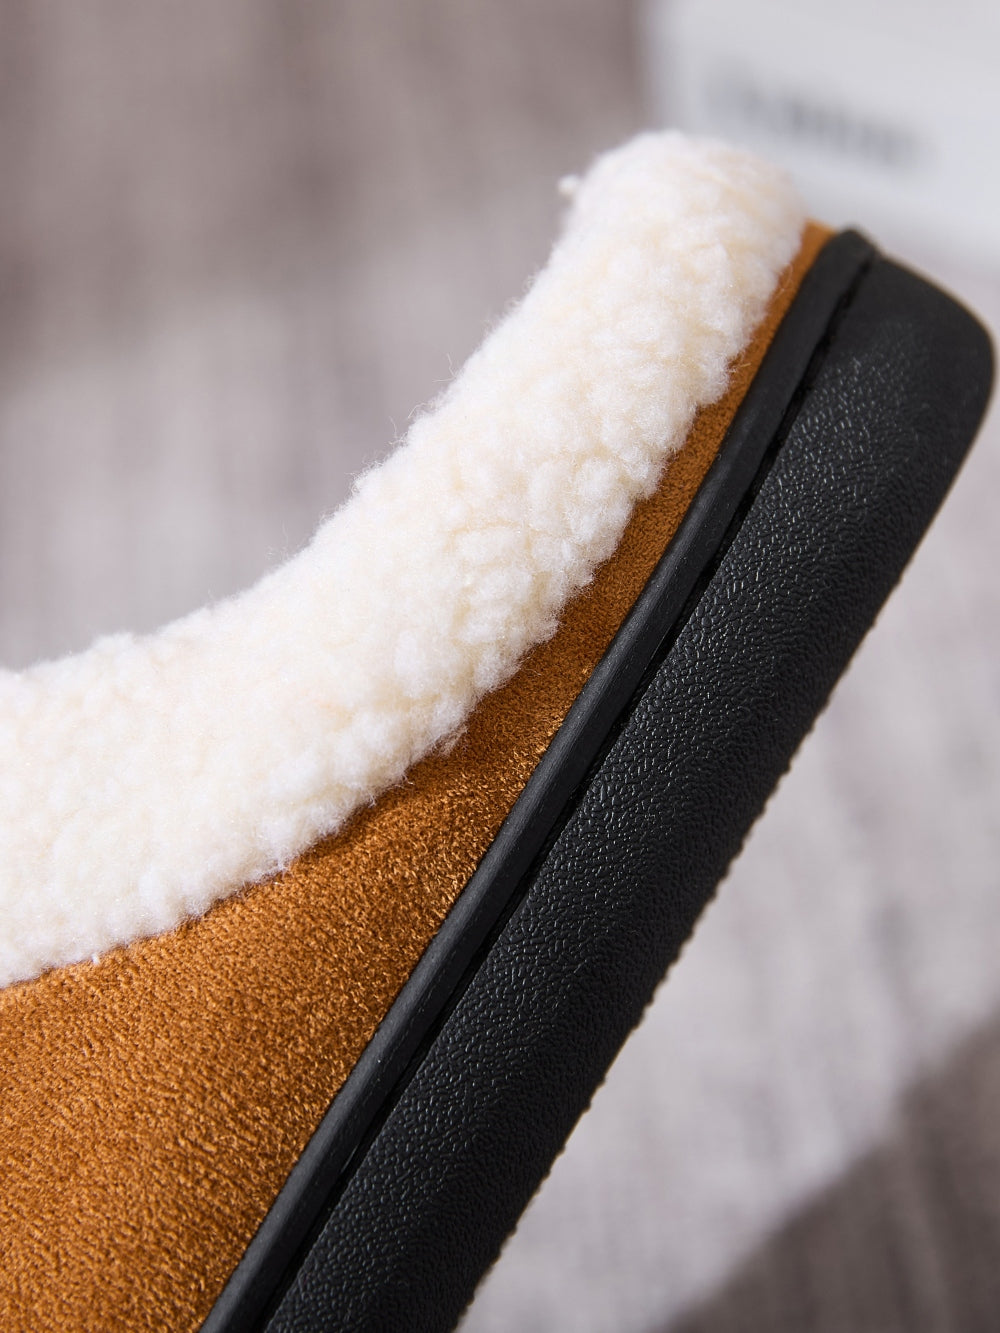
column 888, row 114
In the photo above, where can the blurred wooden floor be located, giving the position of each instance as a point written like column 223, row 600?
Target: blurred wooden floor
column 238, row 244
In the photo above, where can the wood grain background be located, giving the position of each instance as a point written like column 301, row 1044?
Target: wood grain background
column 239, row 242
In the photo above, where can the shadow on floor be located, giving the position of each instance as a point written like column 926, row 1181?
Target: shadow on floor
column 908, row 1241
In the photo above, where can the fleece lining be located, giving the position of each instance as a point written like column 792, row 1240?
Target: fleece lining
column 147, row 778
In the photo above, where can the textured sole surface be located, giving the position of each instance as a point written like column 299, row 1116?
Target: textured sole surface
column 832, row 469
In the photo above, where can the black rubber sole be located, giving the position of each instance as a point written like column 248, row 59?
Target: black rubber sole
column 833, row 467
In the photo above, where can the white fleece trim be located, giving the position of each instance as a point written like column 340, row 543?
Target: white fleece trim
column 145, row 779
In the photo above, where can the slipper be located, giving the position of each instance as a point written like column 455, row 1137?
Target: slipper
column 325, row 910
